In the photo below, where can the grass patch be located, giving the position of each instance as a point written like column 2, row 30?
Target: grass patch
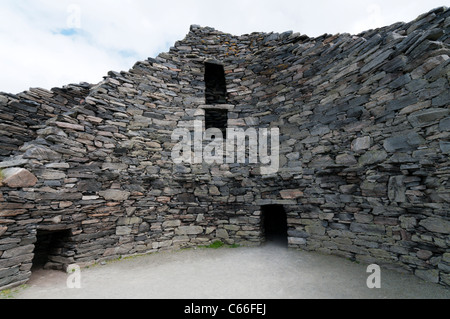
column 11, row 293
column 218, row 244
column 215, row 245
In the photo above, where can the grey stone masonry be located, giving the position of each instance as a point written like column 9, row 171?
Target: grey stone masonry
column 363, row 155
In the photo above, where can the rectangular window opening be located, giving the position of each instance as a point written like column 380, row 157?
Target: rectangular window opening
column 216, row 86
column 215, row 118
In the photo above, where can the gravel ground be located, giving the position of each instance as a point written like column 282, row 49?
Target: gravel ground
column 268, row 272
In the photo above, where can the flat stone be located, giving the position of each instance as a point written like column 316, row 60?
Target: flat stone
column 346, row 159
column 52, row 175
column 93, row 197
column 424, row 254
column 75, row 127
column 427, row 117
column 65, row 204
column 296, row 241
column 368, row 229
column 13, row 163
column 397, row 189
column 115, row 195
column 435, row 224
column 445, row 147
column 189, row 230
column 372, row 157
column 41, row 153
column 315, row 229
column 123, row 230
column 3, row 230
column 373, row 189
column 3, row 100
column 444, row 125
column 58, row 165
column 405, row 142
column 18, row 178
column 171, row 223
column 361, row 144
column 376, row 61
column 126, row 221
column 291, row 194
column 222, row 233
column 408, row 222
column 19, row 251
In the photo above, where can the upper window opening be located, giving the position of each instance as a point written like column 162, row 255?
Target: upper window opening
column 216, row 86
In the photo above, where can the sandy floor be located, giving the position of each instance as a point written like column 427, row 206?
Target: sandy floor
column 268, row 272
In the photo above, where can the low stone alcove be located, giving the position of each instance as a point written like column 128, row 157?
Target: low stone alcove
column 52, row 249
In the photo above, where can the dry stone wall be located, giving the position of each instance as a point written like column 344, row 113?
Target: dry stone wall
column 21, row 115
column 364, row 152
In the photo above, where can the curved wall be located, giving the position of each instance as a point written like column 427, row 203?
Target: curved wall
column 364, row 144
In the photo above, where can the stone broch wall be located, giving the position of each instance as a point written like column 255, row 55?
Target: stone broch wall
column 364, row 153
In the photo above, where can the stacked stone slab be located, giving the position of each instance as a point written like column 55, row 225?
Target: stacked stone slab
column 364, row 152
column 22, row 114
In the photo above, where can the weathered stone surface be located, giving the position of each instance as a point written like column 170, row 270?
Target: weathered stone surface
column 363, row 150
column 189, row 230
column 397, row 189
column 75, row 127
column 427, row 117
column 115, row 195
column 123, row 230
column 424, row 254
column 294, row 241
column 222, row 233
column 19, row 251
column 367, row 229
column 13, row 163
column 171, row 223
column 372, row 157
column 444, row 125
column 129, row 221
column 437, row 225
column 346, row 159
column 18, row 178
column 361, row 144
column 291, row 194
column 408, row 222
column 445, row 147
column 40, row 152
column 52, row 175
column 405, row 142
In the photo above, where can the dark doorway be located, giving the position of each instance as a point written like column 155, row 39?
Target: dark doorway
column 275, row 224
column 50, row 250
column 216, row 86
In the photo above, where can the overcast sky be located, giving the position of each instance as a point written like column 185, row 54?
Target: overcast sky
column 51, row 43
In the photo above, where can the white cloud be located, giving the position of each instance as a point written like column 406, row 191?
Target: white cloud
column 43, row 46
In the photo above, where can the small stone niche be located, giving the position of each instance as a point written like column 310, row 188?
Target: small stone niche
column 51, row 250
